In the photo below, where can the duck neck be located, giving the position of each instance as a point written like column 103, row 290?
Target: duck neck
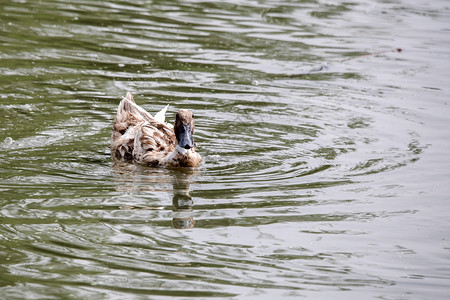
column 181, row 150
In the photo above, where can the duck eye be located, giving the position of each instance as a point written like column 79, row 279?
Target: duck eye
column 193, row 116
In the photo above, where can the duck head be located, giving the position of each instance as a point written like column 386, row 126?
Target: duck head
column 184, row 128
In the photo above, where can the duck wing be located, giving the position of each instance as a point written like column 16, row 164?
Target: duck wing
column 153, row 142
column 136, row 132
column 161, row 115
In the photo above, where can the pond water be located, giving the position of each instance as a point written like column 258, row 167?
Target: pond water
column 324, row 129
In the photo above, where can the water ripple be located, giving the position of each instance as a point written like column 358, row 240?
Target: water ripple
column 310, row 122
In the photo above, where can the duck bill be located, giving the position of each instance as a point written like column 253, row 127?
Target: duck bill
column 185, row 139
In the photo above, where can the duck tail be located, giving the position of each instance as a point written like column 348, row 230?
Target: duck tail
column 129, row 96
column 128, row 107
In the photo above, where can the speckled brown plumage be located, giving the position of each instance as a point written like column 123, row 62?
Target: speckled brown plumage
column 138, row 136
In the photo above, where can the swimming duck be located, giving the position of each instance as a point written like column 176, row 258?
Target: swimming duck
column 140, row 137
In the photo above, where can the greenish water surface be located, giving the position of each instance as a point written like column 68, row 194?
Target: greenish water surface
column 326, row 169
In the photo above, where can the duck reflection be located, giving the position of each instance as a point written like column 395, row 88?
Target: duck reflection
column 176, row 182
column 182, row 202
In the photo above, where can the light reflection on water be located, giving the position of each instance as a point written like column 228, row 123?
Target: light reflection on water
column 324, row 147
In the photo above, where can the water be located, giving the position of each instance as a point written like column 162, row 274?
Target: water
column 326, row 165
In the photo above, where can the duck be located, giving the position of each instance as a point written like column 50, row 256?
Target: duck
column 139, row 137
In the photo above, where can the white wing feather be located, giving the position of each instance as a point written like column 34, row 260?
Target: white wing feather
column 161, row 115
